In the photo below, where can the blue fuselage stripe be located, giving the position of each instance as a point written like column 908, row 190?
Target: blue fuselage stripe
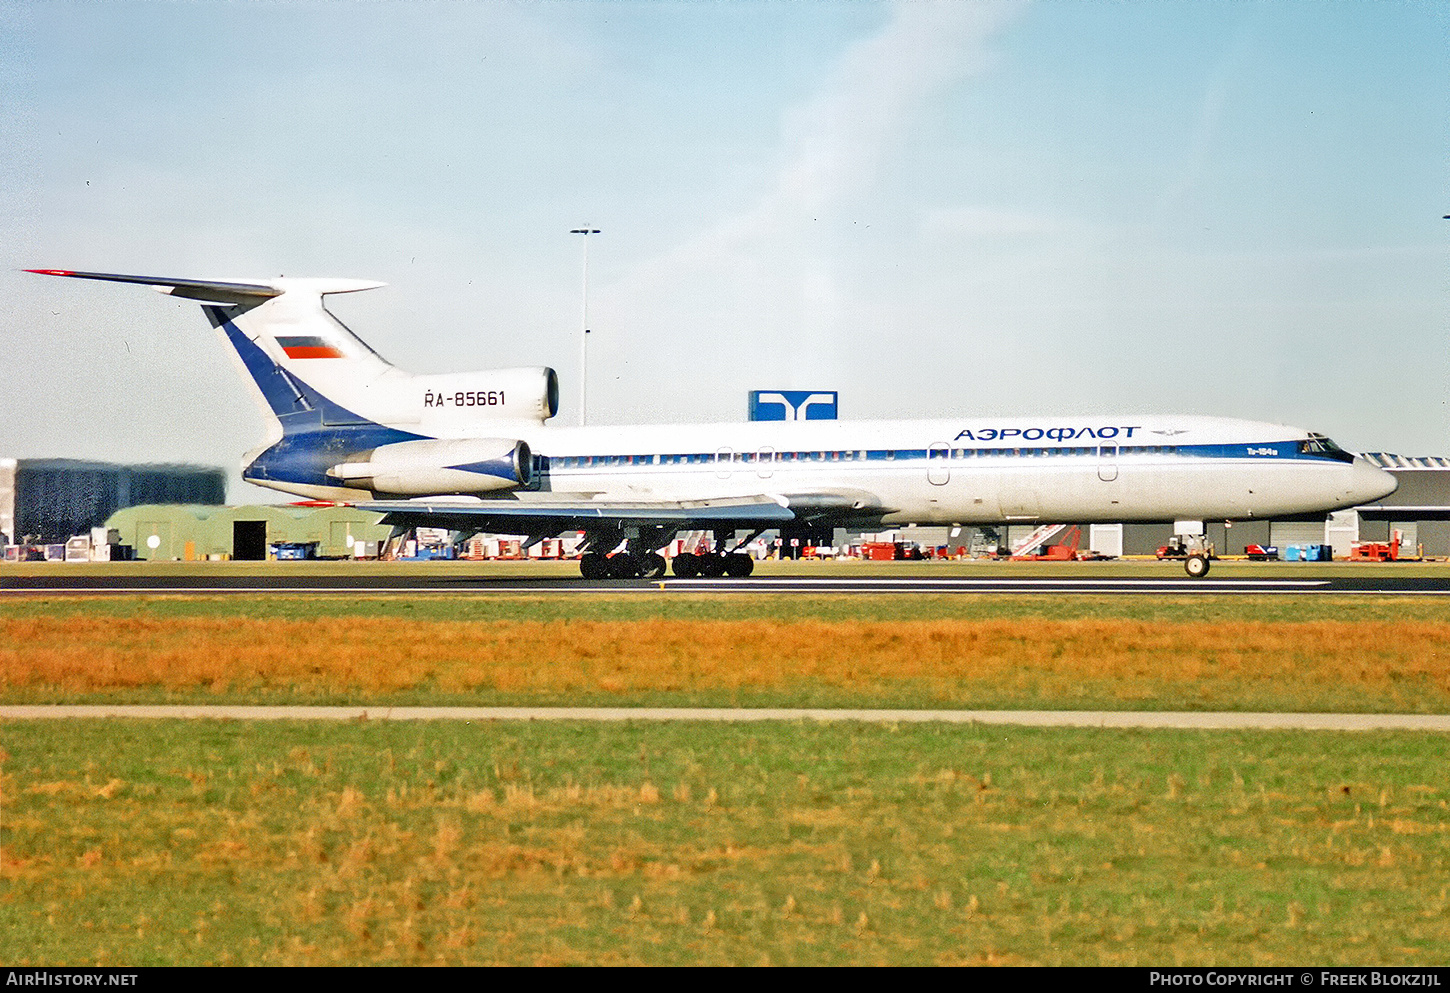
column 1272, row 451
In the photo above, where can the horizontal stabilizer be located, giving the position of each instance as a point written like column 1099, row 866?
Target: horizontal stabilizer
column 226, row 291
column 193, row 289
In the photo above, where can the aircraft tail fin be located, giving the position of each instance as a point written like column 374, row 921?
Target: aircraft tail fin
column 299, row 356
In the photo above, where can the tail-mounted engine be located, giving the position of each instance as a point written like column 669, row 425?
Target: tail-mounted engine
column 454, row 402
column 438, row 467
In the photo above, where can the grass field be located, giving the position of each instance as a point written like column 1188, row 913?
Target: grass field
column 170, row 842
column 197, row 843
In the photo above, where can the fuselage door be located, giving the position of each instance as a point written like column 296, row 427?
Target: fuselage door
column 937, row 466
column 722, row 462
column 1107, row 463
column 765, row 462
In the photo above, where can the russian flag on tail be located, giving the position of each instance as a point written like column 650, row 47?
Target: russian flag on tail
column 309, row 346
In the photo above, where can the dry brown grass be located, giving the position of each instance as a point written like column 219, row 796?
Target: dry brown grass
column 949, row 660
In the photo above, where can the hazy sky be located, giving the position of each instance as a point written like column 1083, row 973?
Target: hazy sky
column 936, row 208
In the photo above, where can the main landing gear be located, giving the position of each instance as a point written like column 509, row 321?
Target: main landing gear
column 629, row 563
column 622, row 565
column 736, row 565
column 720, row 562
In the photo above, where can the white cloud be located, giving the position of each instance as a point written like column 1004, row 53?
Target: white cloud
column 833, row 143
column 770, row 280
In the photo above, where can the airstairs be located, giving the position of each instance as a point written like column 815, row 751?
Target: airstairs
column 1037, row 539
column 696, row 542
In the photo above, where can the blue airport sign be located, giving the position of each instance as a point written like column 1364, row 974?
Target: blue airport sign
column 793, row 405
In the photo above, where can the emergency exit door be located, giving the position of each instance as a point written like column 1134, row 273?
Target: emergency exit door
column 1107, row 463
column 938, row 468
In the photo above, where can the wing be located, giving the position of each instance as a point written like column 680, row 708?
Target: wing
column 554, row 516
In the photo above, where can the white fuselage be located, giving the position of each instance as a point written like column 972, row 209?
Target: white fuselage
column 967, row 470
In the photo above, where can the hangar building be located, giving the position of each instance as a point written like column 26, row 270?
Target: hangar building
column 49, row 500
column 194, row 533
column 1420, row 508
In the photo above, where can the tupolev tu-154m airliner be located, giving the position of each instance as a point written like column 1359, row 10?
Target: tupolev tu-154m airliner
column 473, row 452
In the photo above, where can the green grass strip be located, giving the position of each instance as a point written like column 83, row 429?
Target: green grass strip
column 133, row 842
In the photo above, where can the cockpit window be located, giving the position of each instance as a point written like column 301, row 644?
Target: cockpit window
column 1318, row 444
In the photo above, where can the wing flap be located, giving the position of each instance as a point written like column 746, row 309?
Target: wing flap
column 539, row 515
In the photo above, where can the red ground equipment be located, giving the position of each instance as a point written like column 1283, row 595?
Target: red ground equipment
column 1066, row 551
column 1377, row 551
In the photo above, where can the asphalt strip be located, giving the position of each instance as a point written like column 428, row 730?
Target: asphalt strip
column 1211, row 720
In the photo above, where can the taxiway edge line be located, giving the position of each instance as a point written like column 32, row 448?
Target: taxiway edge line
column 1174, row 720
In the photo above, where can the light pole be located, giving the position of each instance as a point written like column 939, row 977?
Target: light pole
column 584, row 337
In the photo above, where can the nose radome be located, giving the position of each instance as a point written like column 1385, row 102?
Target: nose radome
column 1370, row 482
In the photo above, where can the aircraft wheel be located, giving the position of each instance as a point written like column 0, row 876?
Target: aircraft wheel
column 651, row 566
column 593, row 566
column 712, row 566
column 739, row 565
column 1196, row 566
column 687, row 565
column 622, row 566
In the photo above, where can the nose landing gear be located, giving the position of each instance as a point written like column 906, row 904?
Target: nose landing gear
column 1195, row 550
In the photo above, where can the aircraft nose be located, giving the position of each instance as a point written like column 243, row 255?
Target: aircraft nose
column 1368, row 482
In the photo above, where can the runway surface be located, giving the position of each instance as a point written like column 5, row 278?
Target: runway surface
column 1181, row 720
column 433, row 583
